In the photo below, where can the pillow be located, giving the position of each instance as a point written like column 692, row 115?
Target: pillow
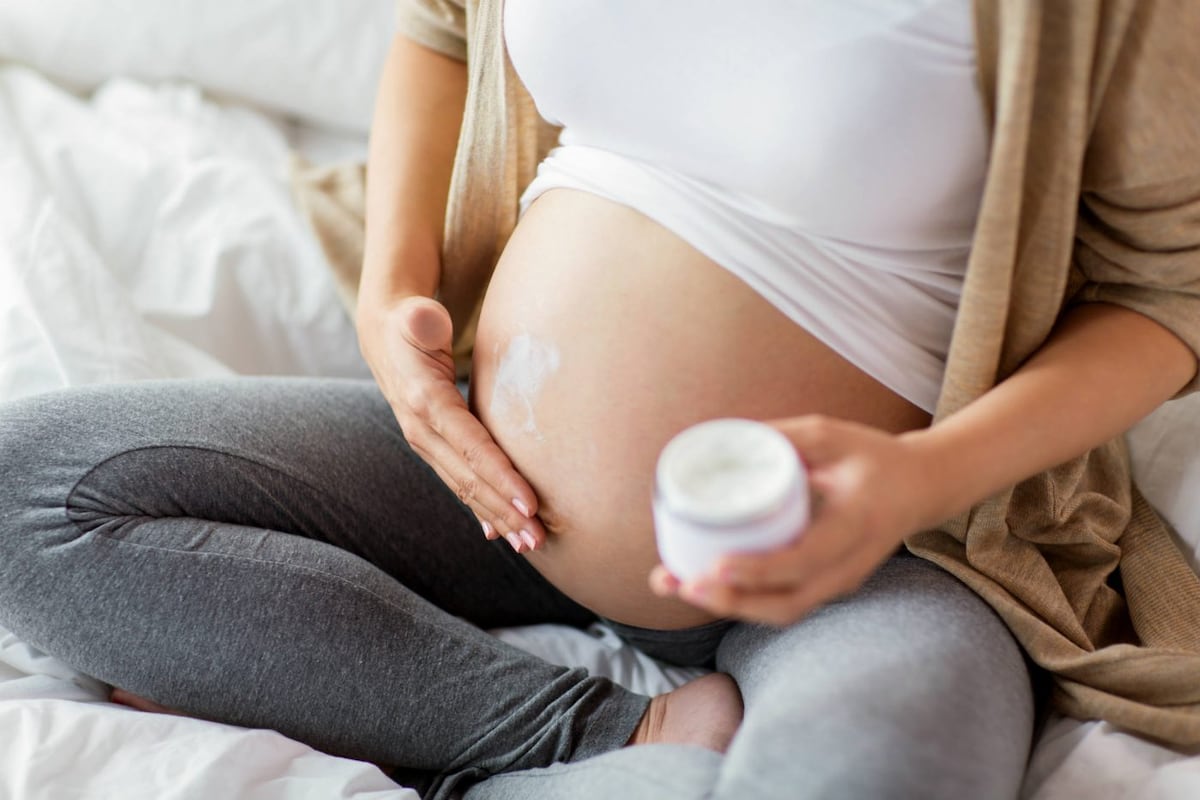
column 318, row 60
column 1165, row 448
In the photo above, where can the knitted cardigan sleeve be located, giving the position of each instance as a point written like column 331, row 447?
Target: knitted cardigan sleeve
column 1138, row 235
column 440, row 25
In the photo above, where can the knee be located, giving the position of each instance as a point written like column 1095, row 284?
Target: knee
column 24, row 424
column 29, row 436
column 886, row 736
column 912, row 688
column 43, row 454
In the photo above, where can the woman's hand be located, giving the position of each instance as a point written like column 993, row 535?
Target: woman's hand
column 408, row 347
column 874, row 488
column 871, row 489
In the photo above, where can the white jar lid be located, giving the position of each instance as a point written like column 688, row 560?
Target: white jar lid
column 727, row 471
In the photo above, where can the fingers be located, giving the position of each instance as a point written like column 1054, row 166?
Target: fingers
column 781, row 607
column 824, row 544
column 482, row 477
column 485, row 458
column 818, row 439
column 776, row 606
column 441, row 429
column 663, row 583
column 498, row 517
column 523, row 536
column 778, row 587
column 427, row 325
column 862, row 511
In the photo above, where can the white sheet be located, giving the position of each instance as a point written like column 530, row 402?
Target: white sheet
column 146, row 232
column 149, row 233
column 1165, row 448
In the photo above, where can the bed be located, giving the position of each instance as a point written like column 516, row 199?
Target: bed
column 148, row 228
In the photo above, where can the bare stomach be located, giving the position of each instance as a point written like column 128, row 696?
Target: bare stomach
column 601, row 336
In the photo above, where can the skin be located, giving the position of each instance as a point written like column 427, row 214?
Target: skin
column 403, row 333
column 1044, row 414
column 1102, row 369
column 644, row 327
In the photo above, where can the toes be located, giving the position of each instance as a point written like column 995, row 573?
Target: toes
column 122, row 697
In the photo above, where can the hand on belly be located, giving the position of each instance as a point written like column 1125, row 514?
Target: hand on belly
column 601, row 336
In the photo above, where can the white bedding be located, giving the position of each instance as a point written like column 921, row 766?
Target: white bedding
column 150, row 233
column 146, row 231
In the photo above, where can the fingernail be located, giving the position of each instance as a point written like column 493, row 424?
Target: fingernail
column 694, row 591
column 528, row 539
column 519, row 506
column 668, row 584
column 514, row 540
column 487, row 529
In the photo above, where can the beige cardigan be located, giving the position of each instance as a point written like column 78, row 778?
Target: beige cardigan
column 1093, row 194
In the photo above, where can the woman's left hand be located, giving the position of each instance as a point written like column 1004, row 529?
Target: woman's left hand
column 870, row 490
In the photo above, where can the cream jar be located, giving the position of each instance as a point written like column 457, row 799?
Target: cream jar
column 724, row 486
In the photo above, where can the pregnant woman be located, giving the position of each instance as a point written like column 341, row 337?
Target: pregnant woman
column 950, row 250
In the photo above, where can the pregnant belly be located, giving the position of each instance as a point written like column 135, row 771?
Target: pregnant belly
column 601, row 336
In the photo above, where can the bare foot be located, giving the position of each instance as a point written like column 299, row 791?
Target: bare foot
column 705, row 712
column 122, row 697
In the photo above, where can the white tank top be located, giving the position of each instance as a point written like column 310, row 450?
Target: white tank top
column 830, row 153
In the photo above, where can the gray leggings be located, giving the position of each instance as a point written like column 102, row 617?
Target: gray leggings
column 270, row 553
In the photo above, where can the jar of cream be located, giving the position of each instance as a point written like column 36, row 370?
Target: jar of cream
column 723, row 486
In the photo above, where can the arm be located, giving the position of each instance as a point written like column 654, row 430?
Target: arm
column 405, row 335
column 1102, row 369
column 1127, row 345
column 418, row 114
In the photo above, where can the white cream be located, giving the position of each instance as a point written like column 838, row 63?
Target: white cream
column 723, row 486
column 524, row 368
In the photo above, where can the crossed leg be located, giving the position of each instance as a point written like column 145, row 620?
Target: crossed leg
column 910, row 688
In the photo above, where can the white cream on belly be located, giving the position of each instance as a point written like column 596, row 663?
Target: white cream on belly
column 523, row 370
